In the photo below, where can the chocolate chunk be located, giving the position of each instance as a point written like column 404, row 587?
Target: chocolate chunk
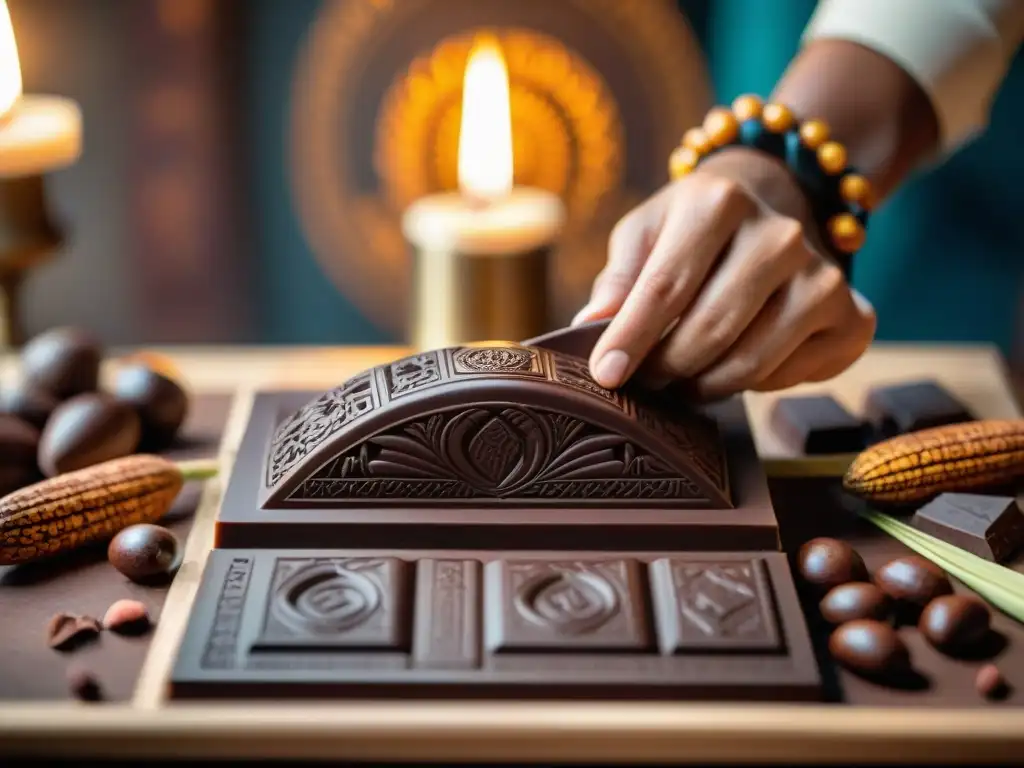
column 86, row 430
column 473, row 623
column 818, row 425
column 160, row 402
column 67, row 631
column 988, row 526
column 900, row 408
column 64, row 362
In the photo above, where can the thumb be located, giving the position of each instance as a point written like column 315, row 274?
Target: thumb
column 630, row 243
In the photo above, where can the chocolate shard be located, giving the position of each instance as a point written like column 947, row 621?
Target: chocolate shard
column 988, row 526
column 900, row 408
column 818, row 424
column 577, row 341
column 334, row 624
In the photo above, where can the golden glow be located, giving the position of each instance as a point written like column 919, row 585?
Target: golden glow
column 485, row 134
column 10, row 67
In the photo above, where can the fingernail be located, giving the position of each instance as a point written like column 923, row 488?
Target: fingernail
column 610, row 370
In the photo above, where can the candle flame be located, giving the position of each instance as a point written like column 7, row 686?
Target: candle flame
column 10, row 68
column 485, row 135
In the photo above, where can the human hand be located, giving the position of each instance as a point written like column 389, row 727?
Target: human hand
column 717, row 280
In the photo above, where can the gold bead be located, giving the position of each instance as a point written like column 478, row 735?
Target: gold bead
column 698, row 141
column 681, row 162
column 746, row 107
column 832, row 157
column 846, row 232
column 854, row 188
column 777, row 118
column 721, row 126
column 814, row 133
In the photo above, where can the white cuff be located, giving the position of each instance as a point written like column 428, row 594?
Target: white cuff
column 953, row 48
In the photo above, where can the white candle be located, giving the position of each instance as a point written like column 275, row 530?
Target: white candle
column 37, row 133
column 488, row 215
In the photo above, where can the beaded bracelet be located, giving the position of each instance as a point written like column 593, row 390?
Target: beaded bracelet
column 840, row 197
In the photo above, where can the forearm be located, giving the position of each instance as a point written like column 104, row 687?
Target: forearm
column 902, row 80
column 881, row 114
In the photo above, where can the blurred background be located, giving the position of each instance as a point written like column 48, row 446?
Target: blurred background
column 246, row 162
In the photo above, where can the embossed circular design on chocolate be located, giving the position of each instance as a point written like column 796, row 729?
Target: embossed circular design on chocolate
column 327, row 598
column 569, row 602
column 495, row 359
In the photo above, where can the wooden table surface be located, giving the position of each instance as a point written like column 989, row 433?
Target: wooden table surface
column 149, row 726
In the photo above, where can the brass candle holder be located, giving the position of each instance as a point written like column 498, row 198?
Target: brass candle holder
column 459, row 298
column 28, row 238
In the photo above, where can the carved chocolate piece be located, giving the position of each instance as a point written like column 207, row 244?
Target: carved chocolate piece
column 497, row 425
column 471, row 624
column 818, row 425
column 900, row 408
column 564, row 484
column 578, row 341
column 989, row 526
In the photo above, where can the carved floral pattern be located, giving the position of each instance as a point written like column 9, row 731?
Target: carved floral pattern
column 514, row 453
column 508, row 453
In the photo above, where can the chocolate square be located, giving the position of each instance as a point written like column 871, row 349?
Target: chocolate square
column 353, row 603
column 713, row 606
column 818, row 424
column 564, row 606
column 896, row 409
column 991, row 527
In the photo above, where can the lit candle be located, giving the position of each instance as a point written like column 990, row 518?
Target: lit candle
column 481, row 253
column 37, row 133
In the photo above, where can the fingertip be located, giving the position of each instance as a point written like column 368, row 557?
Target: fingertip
column 610, row 369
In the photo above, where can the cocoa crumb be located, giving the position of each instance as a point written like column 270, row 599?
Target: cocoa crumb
column 83, row 685
column 67, row 631
column 990, row 682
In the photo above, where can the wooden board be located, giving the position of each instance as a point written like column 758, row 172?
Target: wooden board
column 597, row 732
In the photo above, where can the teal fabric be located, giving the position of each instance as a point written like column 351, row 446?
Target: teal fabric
column 943, row 261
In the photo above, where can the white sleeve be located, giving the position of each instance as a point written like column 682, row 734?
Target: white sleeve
column 958, row 50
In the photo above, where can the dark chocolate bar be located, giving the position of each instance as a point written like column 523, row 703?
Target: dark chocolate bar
column 818, row 424
column 643, row 511
column 989, row 526
column 464, row 624
column 900, row 408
